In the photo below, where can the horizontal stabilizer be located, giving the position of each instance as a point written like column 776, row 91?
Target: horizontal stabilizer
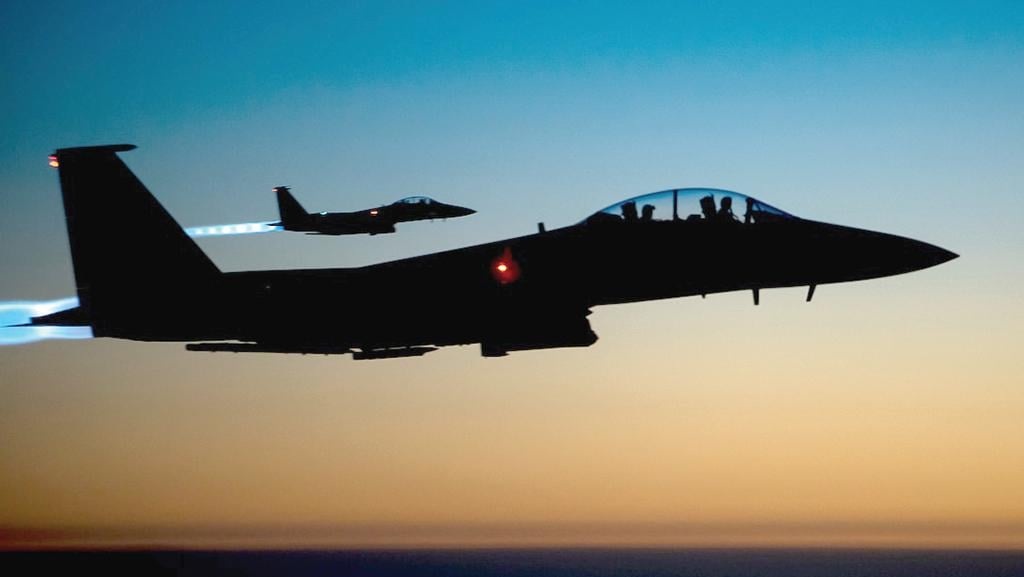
column 75, row 317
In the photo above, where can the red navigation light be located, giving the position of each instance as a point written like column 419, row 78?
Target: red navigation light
column 53, row 161
column 505, row 269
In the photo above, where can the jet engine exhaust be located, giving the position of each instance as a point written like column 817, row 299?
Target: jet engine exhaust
column 232, row 229
column 24, row 335
column 21, row 312
column 14, row 313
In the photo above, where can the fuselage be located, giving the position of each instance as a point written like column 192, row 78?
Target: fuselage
column 380, row 220
column 457, row 296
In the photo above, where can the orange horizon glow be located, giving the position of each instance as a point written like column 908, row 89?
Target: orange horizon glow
column 767, row 442
column 770, row 535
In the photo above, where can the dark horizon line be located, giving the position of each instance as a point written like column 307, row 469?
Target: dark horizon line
column 911, row 535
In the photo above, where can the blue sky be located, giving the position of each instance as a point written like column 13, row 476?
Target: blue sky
column 530, row 111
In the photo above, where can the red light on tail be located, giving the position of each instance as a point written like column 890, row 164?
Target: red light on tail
column 53, row 161
column 505, row 269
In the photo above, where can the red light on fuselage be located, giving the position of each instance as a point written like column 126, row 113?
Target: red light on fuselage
column 505, row 269
column 53, row 161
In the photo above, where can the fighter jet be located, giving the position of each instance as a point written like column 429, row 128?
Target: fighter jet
column 140, row 277
column 380, row 220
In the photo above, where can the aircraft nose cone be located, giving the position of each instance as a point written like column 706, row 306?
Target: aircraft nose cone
column 940, row 255
column 928, row 255
column 914, row 255
column 856, row 254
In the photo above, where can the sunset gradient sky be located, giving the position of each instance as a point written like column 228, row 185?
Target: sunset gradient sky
column 887, row 412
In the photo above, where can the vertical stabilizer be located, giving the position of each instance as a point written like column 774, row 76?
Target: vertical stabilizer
column 128, row 253
column 293, row 216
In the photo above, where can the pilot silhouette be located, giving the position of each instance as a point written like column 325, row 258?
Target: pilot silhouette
column 629, row 211
column 750, row 211
column 725, row 212
column 647, row 213
column 707, row 207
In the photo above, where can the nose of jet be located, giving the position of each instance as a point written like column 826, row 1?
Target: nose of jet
column 463, row 211
column 932, row 255
column 907, row 254
column 845, row 253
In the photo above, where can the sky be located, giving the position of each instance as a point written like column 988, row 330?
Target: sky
column 885, row 412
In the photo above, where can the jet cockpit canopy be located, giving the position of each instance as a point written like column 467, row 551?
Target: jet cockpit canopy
column 691, row 204
column 416, row 200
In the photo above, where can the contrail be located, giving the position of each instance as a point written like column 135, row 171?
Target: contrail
column 231, row 229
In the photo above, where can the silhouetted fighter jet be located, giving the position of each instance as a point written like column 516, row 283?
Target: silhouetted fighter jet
column 378, row 220
column 140, row 277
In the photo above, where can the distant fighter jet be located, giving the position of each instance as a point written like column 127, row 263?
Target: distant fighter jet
column 140, row 277
column 378, row 220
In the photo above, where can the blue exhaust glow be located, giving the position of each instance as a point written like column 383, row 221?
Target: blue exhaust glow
column 231, row 229
column 22, row 335
column 21, row 312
